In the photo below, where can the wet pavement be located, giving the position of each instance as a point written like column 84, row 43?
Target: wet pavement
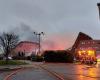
column 68, row 71
column 3, row 74
column 75, row 71
column 32, row 74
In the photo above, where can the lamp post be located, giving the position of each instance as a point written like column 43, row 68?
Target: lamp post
column 98, row 5
column 39, row 40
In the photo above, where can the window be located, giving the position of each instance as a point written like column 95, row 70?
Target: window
column 82, row 42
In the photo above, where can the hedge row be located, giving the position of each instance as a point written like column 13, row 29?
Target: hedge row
column 58, row 56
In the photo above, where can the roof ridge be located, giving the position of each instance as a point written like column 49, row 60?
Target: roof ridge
column 28, row 42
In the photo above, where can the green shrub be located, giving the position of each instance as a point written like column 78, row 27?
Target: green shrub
column 12, row 62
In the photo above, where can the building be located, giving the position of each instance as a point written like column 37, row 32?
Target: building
column 81, row 36
column 87, row 45
column 25, row 48
column 85, row 48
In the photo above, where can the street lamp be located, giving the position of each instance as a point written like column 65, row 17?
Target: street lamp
column 39, row 40
column 98, row 5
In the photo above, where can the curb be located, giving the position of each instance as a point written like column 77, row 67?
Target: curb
column 10, row 69
column 8, row 76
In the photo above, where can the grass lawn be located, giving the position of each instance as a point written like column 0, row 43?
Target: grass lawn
column 12, row 62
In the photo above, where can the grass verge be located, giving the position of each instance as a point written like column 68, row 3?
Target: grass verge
column 12, row 62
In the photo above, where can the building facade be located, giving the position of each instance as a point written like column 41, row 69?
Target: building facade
column 25, row 48
column 86, row 45
column 81, row 36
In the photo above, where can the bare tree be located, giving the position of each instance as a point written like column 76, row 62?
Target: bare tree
column 8, row 41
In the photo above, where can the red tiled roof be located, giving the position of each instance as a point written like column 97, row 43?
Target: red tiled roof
column 26, row 46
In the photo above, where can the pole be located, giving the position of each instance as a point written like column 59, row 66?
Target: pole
column 98, row 5
column 39, row 44
column 39, row 41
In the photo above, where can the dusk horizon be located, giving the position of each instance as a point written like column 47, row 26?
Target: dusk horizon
column 61, row 21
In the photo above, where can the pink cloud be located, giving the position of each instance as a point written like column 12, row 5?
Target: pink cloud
column 57, row 42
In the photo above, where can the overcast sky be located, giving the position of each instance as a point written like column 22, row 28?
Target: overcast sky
column 60, row 20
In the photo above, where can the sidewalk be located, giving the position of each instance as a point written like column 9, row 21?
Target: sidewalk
column 10, row 67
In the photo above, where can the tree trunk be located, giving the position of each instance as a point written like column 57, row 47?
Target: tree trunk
column 6, row 58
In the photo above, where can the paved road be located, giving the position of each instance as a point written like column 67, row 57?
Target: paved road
column 32, row 73
column 75, row 72
column 65, row 70
column 4, row 74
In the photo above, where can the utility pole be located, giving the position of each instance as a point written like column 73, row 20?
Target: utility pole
column 39, row 40
column 98, row 5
